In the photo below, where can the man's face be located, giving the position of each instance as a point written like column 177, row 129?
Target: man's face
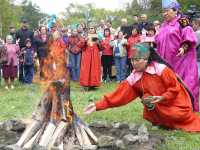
column 144, row 18
column 12, row 30
column 25, row 25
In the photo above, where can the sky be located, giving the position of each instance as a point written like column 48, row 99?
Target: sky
column 56, row 6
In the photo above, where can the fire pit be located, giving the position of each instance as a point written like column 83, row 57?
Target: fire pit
column 111, row 136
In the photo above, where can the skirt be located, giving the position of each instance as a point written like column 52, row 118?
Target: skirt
column 9, row 71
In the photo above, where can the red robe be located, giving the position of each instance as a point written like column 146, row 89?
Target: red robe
column 90, row 72
column 175, row 111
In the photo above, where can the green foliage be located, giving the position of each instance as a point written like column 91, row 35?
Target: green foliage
column 11, row 14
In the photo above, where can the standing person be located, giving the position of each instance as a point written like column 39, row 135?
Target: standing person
column 135, row 21
column 41, row 44
column 10, row 68
column 107, row 55
column 166, row 101
column 90, row 73
column 176, row 43
column 3, row 56
column 196, row 28
column 109, row 26
column 75, row 46
column 21, row 35
column 156, row 25
column 132, row 40
column 144, row 24
column 120, row 55
column 12, row 32
column 28, row 54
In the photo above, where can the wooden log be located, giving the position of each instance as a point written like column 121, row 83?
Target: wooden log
column 47, row 135
column 86, row 140
column 60, row 130
column 78, row 135
column 90, row 133
column 87, row 129
column 30, row 143
column 29, row 132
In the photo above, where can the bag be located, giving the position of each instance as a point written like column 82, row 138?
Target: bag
column 3, row 55
column 28, row 57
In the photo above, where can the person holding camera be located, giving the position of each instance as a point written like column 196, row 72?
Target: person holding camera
column 90, row 72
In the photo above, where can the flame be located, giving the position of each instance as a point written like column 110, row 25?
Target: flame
column 55, row 71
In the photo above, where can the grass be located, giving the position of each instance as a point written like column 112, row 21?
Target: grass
column 20, row 103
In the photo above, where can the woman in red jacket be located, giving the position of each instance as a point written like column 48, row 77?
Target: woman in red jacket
column 167, row 102
column 107, row 55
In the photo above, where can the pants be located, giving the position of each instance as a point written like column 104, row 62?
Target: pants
column 120, row 64
column 21, row 72
column 74, row 64
column 28, row 73
column 107, row 66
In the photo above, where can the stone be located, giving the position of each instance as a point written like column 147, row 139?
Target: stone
column 13, row 125
column 85, row 147
column 100, row 124
column 120, row 145
column 38, row 147
column 13, row 147
column 130, row 139
column 143, row 134
column 120, row 126
column 89, row 147
column 106, row 141
column 132, row 126
column 1, row 125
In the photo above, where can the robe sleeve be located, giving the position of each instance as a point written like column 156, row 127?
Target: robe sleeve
column 121, row 96
column 188, row 36
column 172, row 85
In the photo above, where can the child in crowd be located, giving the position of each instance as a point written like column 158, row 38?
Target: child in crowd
column 28, row 60
column 10, row 65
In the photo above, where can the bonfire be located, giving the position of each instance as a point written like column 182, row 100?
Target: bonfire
column 54, row 123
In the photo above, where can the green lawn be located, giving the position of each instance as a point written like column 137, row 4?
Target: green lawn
column 20, row 102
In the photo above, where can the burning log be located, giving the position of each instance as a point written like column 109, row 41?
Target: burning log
column 54, row 123
column 53, row 119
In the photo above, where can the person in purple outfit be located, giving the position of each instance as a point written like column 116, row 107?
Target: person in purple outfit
column 176, row 43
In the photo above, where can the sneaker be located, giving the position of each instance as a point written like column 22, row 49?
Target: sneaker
column 12, row 87
column 6, row 87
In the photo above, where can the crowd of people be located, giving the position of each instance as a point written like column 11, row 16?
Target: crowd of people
column 92, row 50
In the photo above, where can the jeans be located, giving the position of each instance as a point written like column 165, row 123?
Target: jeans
column 28, row 73
column 120, row 64
column 74, row 64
